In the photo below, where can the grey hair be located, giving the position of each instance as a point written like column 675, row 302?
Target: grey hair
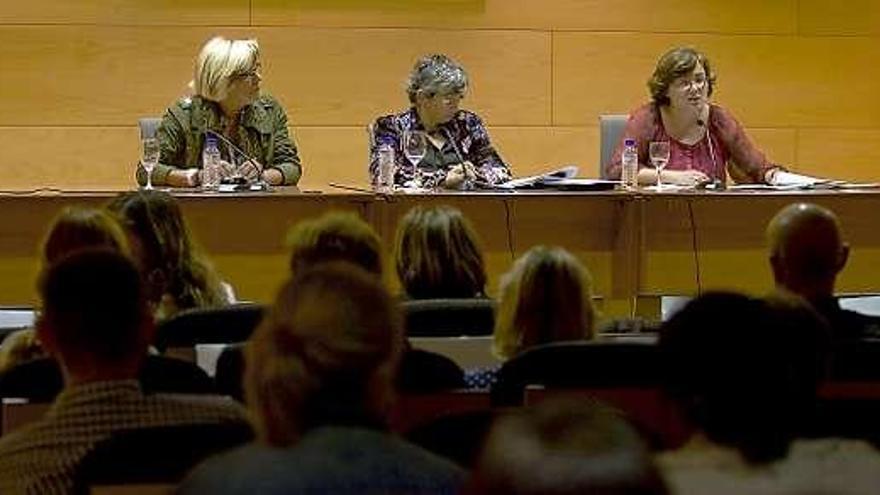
column 433, row 74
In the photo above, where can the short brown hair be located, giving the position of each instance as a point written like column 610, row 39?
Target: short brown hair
column 674, row 64
column 437, row 254
column 78, row 228
column 335, row 236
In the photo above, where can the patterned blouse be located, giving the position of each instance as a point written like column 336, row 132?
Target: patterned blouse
column 730, row 146
column 466, row 140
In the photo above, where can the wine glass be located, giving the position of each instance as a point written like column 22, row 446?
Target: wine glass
column 658, row 152
column 415, row 147
column 150, row 158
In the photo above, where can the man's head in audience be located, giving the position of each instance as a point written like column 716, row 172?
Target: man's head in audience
column 326, row 353
column 806, row 250
column 564, row 447
column 78, row 228
column 335, row 236
column 744, row 371
column 95, row 319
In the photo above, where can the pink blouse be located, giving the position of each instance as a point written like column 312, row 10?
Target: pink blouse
column 730, row 146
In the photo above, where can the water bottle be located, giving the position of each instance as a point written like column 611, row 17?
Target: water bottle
column 211, row 164
column 387, row 167
column 629, row 170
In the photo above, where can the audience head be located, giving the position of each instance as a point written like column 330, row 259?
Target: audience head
column 565, row 447
column 744, row 370
column 437, row 254
column 326, row 353
column 546, row 297
column 95, row 318
column 161, row 243
column 806, row 249
column 77, row 228
column 227, row 68
column 674, row 64
column 335, row 236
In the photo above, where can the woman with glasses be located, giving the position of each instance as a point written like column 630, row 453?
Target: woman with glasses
column 458, row 154
column 705, row 140
column 250, row 128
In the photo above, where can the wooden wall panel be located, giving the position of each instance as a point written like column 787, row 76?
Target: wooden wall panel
column 129, row 12
column 767, row 81
column 746, row 16
column 849, row 18
column 851, row 154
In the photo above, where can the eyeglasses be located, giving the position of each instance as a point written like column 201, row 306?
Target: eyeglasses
column 685, row 83
column 251, row 74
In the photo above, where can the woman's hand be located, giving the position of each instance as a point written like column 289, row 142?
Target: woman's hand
column 459, row 175
column 689, row 178
column 250, row 170
column 188, row 177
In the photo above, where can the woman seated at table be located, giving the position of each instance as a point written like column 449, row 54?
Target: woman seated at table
column 704, row 139
column 458, row 152
column 251, row 127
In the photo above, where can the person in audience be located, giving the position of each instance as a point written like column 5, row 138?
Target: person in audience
column 226, row 102
column 562, row 447
column 335, row 236
column 177, row 275
column 320, row 385
column 459, row 154
column 73, row 229
column 744, row 373
column 705, row 139
column 807, row 252
column 545, row 297
column 437, row 255
column 96, row 323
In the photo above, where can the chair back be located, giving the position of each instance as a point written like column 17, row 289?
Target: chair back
column 855, row 361
column 457, row 436
column 149, row 126
column 162, row 454
column 449, row 317
column 610, row 129
column 18, row 412
column 223, row 325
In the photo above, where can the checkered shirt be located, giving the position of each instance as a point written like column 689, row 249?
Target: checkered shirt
column 43, row 457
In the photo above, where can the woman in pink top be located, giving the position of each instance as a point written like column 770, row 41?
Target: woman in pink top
column 705, row 139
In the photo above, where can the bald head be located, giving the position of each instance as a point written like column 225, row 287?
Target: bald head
column 806, row 249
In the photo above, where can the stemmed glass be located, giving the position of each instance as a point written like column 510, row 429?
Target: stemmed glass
column 415, row 147
column 658, row 151
column 150, row 158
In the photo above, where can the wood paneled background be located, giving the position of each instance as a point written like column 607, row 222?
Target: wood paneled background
column 74, row 76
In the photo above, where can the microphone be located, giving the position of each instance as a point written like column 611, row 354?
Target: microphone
column 236, row 177
column 717, row 183
column 467, row 184
column 231, row 145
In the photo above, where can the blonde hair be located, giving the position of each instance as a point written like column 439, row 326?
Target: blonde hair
column 437, row 254
column 219, row 62
column 545, row 297
column 326, row 353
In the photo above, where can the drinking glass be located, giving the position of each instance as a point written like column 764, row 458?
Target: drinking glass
column 150, row 158
column 658, row 152
column 415, row 147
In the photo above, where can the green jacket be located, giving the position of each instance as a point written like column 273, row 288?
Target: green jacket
column 262, row 134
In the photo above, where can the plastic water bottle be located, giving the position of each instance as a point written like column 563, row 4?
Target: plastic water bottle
column 387, row 167
column 629, row 170
column 211, row 167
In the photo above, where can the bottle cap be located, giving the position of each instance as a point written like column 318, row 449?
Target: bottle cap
column 629, row 142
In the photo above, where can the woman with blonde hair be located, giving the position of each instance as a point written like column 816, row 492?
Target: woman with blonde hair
column 545, row 297
column 319, row 383
column 177, row 275
column 250, row 126
column 437, row 255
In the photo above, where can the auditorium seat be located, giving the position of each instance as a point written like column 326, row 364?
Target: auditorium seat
column 448, row 317
column 224, row 325
column 610, row 129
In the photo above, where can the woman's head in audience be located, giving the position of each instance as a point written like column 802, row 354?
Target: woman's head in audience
column 335, row 236
column 437, row 255
column 228, row 71
column 77, row 228
column 177, row 275
column 326, row 353
column 435, row 87
column 744, row 371
column 545, row 297
column 562, row 447
column 681, row 73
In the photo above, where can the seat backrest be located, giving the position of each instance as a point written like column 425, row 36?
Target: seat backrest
column 149, row 126
column 610, row 129
column 856, row 361
column 467, row 351
column 18, row 412
column 158, row 454
column 578, row 364
column 223, row 325
column 448, row 317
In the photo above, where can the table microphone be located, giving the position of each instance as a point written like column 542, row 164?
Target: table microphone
column 715, row 182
